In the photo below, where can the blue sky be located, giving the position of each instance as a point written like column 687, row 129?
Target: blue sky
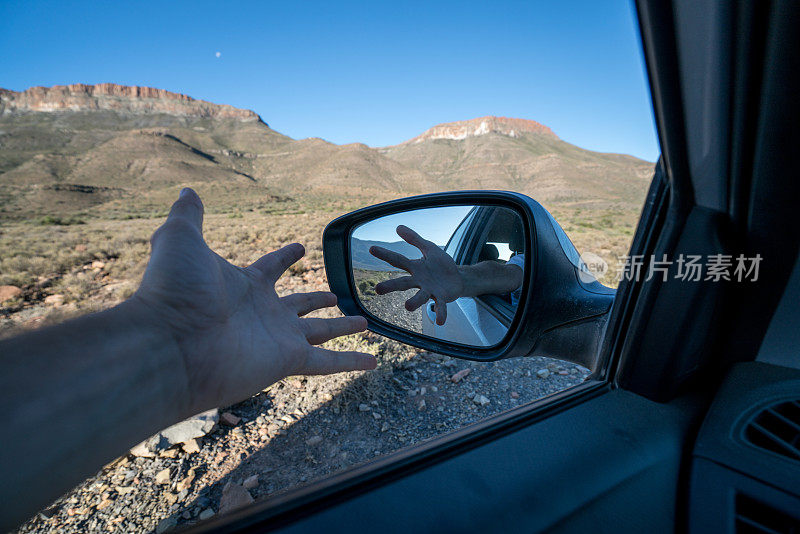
column 434, row 224
column 371, row 72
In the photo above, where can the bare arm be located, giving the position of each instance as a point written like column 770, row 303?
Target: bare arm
column 489, row 278
column 199, row 333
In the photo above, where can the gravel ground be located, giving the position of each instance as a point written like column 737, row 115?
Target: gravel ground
column 302, row 429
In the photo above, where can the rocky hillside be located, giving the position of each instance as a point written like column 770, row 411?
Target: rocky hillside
column 115, row 151
column 524, row 156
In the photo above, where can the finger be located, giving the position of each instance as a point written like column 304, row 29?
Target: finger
column 303, row 303
column 391, row 257
column 324, row 362
column 189, row 207
column 396, row 284
column 413, row 238
column 419, row 298
column 272, row 265
column 321, row 330
column 441, row 312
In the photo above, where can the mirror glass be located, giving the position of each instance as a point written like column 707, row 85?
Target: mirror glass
column 453, row 273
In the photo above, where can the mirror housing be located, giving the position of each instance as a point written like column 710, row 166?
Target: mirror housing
column 563, row 311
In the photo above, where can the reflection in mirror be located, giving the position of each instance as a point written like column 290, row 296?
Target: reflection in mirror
column 453, row 273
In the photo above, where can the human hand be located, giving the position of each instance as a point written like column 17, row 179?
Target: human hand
column 435, row 274
column 235, row 335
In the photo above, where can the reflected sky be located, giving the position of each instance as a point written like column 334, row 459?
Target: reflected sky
column 433, row 224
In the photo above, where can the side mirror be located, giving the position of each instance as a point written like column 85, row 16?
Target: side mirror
column 481, row 275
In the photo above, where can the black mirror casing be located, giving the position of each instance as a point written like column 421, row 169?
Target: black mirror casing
column 561, row 316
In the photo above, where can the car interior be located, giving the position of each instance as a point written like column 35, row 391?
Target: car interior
column 691, row 418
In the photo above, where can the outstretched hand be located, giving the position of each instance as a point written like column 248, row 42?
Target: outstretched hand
column 235, row 335
column 435, row 274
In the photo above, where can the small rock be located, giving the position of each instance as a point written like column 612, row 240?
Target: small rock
column 296, row 384
column 250, row 482
column 542, row 373
column 314, row 440
column 459, row 376
column 194, row 427
column 227, row 418
column 97, row 264
column 191, row 446
column 166, row 524
column 169, row 453
column 480, row 400
column 170, row 498
column 363, row 407
column 9, row 292
column 563, row 372
column 208, row 513
column 48, row 513
column 233, row 498
column 163, row 476
column 385, row 427
column 186, row 483
column 183, row 494
column 514, row 395
column 421, row 405
column 54, row 300
column 80, row 248
column 376, row 415
column 147, row 448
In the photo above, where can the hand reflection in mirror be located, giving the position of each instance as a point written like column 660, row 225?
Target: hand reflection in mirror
column 438, row 277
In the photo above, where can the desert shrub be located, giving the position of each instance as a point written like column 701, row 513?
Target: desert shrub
column 49, row 220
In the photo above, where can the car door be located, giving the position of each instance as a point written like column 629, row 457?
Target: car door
column 620, row 452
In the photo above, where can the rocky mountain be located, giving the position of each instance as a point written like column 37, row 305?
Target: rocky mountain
column 525, row 156
column 460, row 130
column 107, row 147
column 118, row 98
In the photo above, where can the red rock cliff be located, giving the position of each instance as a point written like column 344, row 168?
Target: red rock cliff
column 122, row 98
column 483, row 126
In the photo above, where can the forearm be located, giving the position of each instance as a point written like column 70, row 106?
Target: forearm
column 489, row 278
column 64, row 391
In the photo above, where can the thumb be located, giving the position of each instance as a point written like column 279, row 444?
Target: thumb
column 188, row 207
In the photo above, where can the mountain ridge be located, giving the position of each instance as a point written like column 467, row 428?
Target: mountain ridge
column 460, row 130
column 114, row 97
column 71, row 148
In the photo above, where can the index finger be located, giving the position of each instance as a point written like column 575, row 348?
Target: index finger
column 395, row 259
